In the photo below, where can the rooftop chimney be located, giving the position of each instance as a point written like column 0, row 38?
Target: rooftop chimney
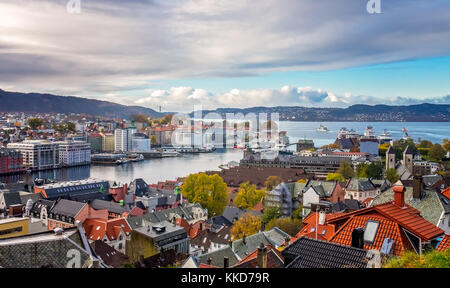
column 417, row 186
column 399, row 195
column 358, row 238
column 208, row 261
column 322, row 217
column 262, row 256
column 226, row 262
column 244, row 240
column 58, row 231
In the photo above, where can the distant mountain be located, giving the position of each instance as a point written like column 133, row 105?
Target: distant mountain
column 46, row 103
column 382, row 113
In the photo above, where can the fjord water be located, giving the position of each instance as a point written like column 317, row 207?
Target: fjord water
column 170, row 168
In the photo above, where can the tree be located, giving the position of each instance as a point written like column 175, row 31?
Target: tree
column 430, row 259
column 375, row 170
column 71, row 127
column 345, row 169
column 210, row 191
column 297, row 214
column 446, row 145
column 436, row 152
column 153, row 139
column 425, row 144
column 34, row 123
column 361, row 170
column 288, row 225
column 248, row 196
column 382, row 149
column 271, row 213
column 334, row 177
column 272, row 182
column 392, row 176
column 400, row 146
column 248, row 224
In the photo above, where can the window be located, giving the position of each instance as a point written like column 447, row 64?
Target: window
column 370, row 231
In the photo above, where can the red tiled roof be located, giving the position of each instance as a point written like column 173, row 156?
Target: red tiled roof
column 446, row 192
column 96, row 229
column 407, row 217
column 444, row 244
column 366, row 201
column 386, row 229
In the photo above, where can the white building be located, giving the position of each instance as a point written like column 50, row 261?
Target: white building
column 38, row 154
column 122, row 139
column 74, row 153
column 140, row 143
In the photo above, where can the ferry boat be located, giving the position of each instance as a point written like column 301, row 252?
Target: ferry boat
column 369, row 132
column 322, row 129
column 135, row 157
column 345, row 133
column 170, row 153
column 385, row 137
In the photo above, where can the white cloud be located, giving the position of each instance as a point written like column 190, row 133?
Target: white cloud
column 184, row 98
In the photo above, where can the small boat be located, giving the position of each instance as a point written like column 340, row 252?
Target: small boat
column 170, row 153
column 322, row 129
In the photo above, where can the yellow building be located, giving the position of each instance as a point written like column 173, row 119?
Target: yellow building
column 107, row 142
column 12, row 227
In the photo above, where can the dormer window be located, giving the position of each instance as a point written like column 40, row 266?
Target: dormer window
column 370, row 231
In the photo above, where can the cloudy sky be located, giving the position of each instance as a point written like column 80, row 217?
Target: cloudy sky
column 221, row 53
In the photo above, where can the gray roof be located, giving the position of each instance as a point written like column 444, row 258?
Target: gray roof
column 11, row 198
column 275, row 236
column 42, row 250
column 170, row 230
column 25, row 196
column 360, row 185
column 429, row 205
column 430, row 180
column 311, row 253
column 111, row 206
column 67, row 207
column 322, row 188
column 232, row 213
column 408, row 150
column 217, row 257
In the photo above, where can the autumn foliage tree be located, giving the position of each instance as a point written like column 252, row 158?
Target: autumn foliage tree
column 248, row 224
column 210, row 191
column 248, row 196
column 288, row 225
column 272, row 182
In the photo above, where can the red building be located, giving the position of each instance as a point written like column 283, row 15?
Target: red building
column 11, row 161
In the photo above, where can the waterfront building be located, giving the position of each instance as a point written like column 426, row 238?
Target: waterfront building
column 11, row 161
column 310, row 164
column 123, row 139
column 38, row 154
column 140, row 143
column 96, row 142
column 74, row 153
column 107, row 142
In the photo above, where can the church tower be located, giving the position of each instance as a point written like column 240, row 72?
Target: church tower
column 408, row 159
column 390, row 158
